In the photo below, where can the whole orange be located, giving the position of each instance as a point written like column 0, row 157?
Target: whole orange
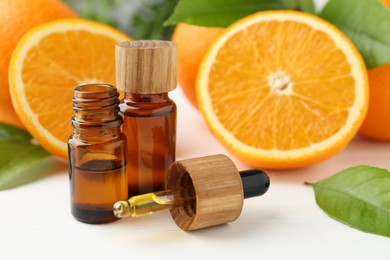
column 193, row 41
column 16, row 18
column 376, row 125
column 377, row 122
column 386, row 2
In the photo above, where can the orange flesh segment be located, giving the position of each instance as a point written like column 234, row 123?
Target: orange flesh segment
column 314, row 107
column 78, row 66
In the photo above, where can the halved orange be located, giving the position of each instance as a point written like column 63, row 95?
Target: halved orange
column 48, row 63
column 283, row 89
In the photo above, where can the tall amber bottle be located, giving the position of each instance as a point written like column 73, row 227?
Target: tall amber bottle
column 96, row 154
column 146, row 71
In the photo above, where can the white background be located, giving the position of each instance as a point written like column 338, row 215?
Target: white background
column 286, row 223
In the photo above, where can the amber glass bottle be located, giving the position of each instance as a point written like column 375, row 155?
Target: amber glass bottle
column 146, row 71
column 97, row 163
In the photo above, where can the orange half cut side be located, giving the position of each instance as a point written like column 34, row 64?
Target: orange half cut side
column 283, row 89
column 46, row 66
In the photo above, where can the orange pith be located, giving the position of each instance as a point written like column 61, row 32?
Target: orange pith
column 48, row 63
column 283, row 89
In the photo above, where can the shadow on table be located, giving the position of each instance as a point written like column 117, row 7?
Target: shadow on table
column 359, row 151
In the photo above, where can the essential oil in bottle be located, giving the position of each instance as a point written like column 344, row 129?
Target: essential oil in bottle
column 146, row 72
column 96, row 149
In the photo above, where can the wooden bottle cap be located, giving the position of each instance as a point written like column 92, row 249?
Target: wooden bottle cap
column 146, row 67
column 218, row 190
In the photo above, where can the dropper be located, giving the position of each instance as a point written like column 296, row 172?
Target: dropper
column 194, row 191
column 255, row 183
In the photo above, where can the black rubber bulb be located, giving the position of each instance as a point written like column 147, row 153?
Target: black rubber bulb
column 255, row 182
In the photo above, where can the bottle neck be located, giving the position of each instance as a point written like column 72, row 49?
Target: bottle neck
column 97, row 134
column 147, row 98
column 96, row 113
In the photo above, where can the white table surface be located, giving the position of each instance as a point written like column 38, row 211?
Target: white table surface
column 285, row 223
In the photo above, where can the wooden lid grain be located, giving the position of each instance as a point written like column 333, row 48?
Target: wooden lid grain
column 146, row 67
column 218, row 189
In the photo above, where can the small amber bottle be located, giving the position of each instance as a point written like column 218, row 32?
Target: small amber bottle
column 96, row 154
column 146, row 71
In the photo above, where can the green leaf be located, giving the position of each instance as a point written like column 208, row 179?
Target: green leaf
column 307, row 6
column 291, row 4
column 359, row 197
column 218, row 13
column 138, row 19
column 366, row 23
column 17, row 154
column 147, row 22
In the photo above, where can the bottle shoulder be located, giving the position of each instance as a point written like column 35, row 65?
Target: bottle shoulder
column 134, row 108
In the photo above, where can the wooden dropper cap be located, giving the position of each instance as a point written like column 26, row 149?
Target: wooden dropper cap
column 218, row 191
column 146, row 67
